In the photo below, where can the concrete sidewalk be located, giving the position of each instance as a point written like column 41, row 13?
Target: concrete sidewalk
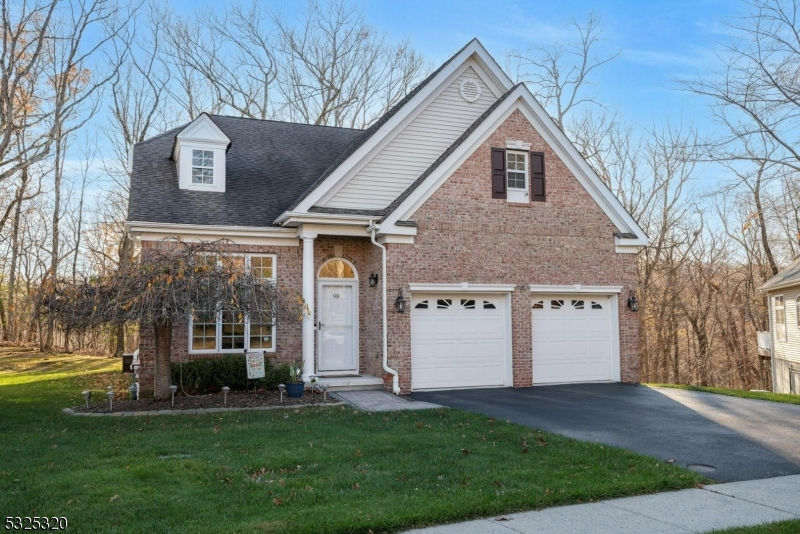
column 716, row 506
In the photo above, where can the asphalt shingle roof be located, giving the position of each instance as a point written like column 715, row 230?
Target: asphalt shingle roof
column 269, row 165
column 791, row 274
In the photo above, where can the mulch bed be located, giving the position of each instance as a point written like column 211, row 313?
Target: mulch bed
column 236, row 399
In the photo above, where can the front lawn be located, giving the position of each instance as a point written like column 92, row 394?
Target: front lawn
column 743, row 393
column 306, row 470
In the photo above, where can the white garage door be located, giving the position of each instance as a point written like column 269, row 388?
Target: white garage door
column 572, row 339
column 457, row 341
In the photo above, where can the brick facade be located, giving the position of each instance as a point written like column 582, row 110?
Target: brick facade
column 464, row 235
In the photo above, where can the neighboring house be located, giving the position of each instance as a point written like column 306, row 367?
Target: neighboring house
column 513, row 260
column 783, row 293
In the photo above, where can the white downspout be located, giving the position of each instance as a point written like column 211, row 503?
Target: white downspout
column 395, row 380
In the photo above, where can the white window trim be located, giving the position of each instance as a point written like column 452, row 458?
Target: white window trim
column 797, row 311
column 518, row 195
column 213, row 183
column 778, row 337
column 218, row 339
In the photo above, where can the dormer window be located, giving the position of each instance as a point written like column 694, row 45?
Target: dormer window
column 199, row 154
column 203, row 167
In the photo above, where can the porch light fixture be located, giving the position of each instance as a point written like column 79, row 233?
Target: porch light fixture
column 400, row 302
column 172, row 389
column 373, row 280
column 225, row 390
column 633, row 302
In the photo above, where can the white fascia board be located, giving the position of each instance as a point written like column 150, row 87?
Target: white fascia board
column 523, row 100
column 201, row 130
column 780, row 287
column 575, row 288
column 242, row 235
column 395, row 238
column 464, row 287
column 404, row 116
column 293, row 218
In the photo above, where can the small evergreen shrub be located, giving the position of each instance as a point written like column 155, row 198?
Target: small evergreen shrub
column 209, row 375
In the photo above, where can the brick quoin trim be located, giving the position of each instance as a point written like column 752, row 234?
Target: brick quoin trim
column 464, row 235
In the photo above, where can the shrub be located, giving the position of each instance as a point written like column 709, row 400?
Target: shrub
column 209, row 375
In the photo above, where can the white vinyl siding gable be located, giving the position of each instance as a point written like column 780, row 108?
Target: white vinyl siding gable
column 789, row 349
column 413, row 150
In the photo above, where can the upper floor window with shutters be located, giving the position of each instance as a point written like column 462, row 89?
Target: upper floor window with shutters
column 203, row 167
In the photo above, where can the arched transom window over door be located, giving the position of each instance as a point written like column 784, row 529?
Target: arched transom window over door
column 337, row 269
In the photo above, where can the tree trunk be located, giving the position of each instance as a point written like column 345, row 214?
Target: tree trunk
column 124, row 259
column 163, row 344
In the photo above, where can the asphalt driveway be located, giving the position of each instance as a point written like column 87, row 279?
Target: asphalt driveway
column 725, row 438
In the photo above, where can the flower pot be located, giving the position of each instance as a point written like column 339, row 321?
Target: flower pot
column 295, row 389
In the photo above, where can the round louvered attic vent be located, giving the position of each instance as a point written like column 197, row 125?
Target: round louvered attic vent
column 470, row 90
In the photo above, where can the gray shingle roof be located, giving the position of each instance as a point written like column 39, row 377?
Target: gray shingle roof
column 269, row 165
column 789, row 276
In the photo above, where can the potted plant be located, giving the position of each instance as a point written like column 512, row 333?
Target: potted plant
column 295, row 385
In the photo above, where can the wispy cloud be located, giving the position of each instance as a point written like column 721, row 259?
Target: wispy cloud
column 697, row 58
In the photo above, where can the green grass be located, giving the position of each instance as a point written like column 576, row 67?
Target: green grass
column 309, row 470
column 781, row 527
column 743, row 393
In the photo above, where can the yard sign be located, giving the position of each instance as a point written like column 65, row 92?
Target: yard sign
column 255, row 365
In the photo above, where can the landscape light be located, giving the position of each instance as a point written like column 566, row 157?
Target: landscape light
column 225, row 390
column 172, row 389
column 88, row 396
column 110, row 395
column 282, row 388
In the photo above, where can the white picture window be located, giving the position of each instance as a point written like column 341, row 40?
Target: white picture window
column 517, row 170
column 780, row 318
column 203, row 167
column 215, row 332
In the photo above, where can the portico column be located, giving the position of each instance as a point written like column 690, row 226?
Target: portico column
column 308, row 297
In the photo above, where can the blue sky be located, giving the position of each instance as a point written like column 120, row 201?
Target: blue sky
column 660, row 40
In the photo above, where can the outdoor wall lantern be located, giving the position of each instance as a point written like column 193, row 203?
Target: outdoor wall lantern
column 400, row 302
column 373, row 280
column 633, row 302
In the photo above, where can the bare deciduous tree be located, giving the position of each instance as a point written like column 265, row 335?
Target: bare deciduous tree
column 559, row 73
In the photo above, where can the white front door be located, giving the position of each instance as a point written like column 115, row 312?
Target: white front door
column 337, row 328
column 572, row 339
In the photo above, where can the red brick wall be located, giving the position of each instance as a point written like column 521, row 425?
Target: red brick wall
column 465, row 235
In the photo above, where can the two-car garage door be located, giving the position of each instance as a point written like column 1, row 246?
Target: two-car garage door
column 464, row 340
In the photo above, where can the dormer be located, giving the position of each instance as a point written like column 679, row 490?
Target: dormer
column 199, row 155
